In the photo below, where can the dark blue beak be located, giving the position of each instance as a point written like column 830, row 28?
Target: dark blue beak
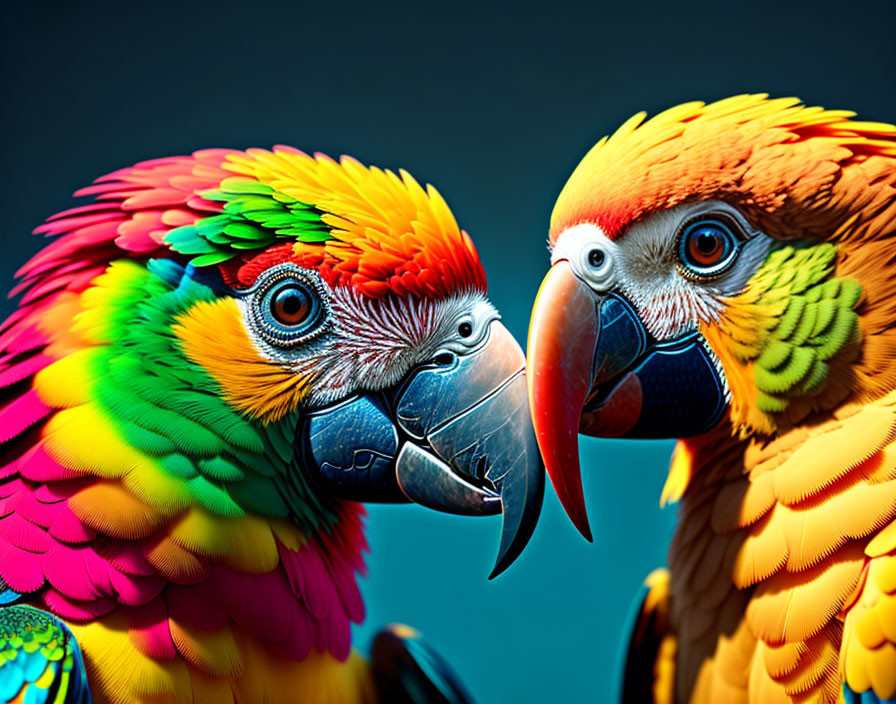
column 455, row 436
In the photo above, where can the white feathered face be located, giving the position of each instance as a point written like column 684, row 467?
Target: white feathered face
column 340, row 342
column 676, row 266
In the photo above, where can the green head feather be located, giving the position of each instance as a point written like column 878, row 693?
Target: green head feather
column 255, row 217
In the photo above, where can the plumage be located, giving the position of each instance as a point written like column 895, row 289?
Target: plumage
column 154, row 502
column 39, row 657
column 787, row 503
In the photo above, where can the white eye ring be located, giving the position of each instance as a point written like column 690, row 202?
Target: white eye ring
column 590, row 253
column 597, row 267
column 471, row 330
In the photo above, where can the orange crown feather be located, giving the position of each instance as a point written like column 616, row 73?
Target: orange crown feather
column 793, row 170
column 244, row 211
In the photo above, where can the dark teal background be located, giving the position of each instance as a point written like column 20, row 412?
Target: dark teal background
column 493, row 106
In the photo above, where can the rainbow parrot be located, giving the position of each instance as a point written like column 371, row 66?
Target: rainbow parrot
column 726, row 274
column 209, row 366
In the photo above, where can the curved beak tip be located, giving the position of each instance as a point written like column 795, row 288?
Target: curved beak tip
column 499, row 567
column 481, row 456
column 563, row 334
column 572, row 498
column 521, row 503
column 585, row 530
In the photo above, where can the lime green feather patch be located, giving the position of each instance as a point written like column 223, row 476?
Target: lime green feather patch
column 27, row 630
column 255, row 217
column 172, row 412
column 817, row 322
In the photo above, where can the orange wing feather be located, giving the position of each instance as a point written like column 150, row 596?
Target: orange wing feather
column 784, row 565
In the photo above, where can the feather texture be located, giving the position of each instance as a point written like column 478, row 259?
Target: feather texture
column 790, row 568
column 141, row 501
column 782, row 567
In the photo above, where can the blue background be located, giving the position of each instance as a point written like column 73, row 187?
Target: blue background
column 493, row 106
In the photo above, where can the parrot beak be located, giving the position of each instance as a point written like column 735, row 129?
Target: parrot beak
column 454, row 437
column 473, row 449
column 562, row 337
column 594, row 369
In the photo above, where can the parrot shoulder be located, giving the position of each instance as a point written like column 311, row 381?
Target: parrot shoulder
column 649, row 673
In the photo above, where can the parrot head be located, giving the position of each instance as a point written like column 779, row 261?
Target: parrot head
column 334, row 306
column 717, row 268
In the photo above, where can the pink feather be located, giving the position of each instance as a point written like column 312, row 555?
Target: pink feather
column 197, row 605
column 24, row 535
column 11, row 488
column 263, row 604
column 132, row 590
column 67, row 570
column 43, row 515
column 316, row 586
column 24, row 369
column 125, row 556
column 77, row 610
column 20, row 569
column 298, row 642
column 38, row 466
column 340, row 637
column 22, row 338
column 20, row 414
column 67, row 528
column 150, row 630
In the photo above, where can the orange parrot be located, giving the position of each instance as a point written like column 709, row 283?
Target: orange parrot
column 725, row 274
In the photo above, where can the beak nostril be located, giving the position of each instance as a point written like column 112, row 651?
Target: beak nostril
column 444, row 359
column 458, row 425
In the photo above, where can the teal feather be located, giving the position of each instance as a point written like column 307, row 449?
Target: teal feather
column 31, row 643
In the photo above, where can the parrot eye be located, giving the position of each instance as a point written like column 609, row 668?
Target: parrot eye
column 596, row 258
column 290, row 304
column 467, row 332
column 595, row 265
column 708, row 247
column 287, row 305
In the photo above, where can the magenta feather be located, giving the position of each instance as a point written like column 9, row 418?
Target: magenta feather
column 197, row 605
column 20, row 569
column 22, row 413
column 24, row 369
column 38, row 466
column 77, row 610
column 152, row 632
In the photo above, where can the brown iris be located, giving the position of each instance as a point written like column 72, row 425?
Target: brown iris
column 290, row 305
column 708, row 247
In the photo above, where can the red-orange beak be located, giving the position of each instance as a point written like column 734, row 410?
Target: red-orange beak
column 594, row 369
column 563, row 335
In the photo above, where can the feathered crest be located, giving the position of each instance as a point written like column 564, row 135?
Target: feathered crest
column 795, row 171
column 360, row 226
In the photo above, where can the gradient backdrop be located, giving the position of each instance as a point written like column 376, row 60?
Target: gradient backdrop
column 495, row 107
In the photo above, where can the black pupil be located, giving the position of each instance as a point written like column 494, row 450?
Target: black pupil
column 290, row 305
column 596, row 258
column 707, row 241
column 465, row 329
